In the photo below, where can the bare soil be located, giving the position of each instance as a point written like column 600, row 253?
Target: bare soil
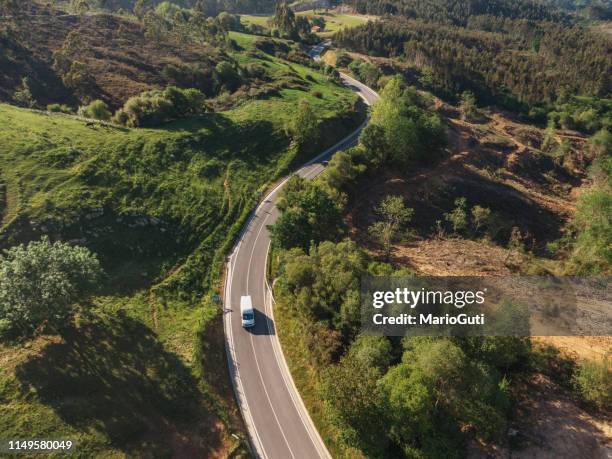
column 117, row 55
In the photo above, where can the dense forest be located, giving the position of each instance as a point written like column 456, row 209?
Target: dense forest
column 516, row 63
column 210, row 7
column 458, row 11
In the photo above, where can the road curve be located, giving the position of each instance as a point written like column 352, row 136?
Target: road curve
column 277, row 421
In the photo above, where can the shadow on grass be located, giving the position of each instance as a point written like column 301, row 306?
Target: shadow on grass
column 219, row 136
column 113, row 376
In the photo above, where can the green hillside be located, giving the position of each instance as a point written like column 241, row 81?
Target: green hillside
column 160, row 208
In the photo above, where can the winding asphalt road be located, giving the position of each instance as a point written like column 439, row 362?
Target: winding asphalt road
column 278, row 423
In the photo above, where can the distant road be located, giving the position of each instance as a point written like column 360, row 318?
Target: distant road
column 278, row 423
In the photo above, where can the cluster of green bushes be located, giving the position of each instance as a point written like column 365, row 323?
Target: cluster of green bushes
column 365, row 72
column 586, row 114
column 153, row 108
column 414, row 397
column 400, row 134
column 588, row 244
column 287, row 24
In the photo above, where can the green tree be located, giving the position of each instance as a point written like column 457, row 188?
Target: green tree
column 394, row 216
column 375, row 143
column 305, row 127
column 309, row 214
column 23, row 95
column 40, row 282
column 480, row 216
column 79, row 6
column 326, row 283
column 435, row 390
column 467, row 106
column 226, row 76
column 411, row 134
column 284, row 19
column 601, row 143
column 372, row 352
column 352, row 392
column 79, row 79
column 458, row 217
column 140, row 8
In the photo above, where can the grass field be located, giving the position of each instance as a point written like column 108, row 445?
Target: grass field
column 144, row 371
column 333, row 21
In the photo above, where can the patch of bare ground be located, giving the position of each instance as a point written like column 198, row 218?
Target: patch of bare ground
column 117, row 57
column 579, row 347
column 453, row 257
column 551, row 425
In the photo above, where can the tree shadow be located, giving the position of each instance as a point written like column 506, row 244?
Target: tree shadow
column 113, row 376
column 218, row 136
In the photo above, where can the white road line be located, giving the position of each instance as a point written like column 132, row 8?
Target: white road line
column 285, row 372
column 263, row 383
column 279, row 356
column 231, row 356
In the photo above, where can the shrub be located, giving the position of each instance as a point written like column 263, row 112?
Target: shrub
column 97, row 110
column 593, row 380
column 153, row 108
column 59, row 108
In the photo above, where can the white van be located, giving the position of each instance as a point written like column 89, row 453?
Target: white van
column 246, row 311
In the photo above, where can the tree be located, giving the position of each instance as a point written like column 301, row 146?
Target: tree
column 97, row 110
column 458, row 217
column 309, row 214
column 357, row 407
column 601, row 143
column 23, row 95
column 227, row 76
column 140, row 8
column 394, row 216
column 435, row 390
column 79, row 79
column 480, row 216
column 40, row 282
column 79, row 6
column 411, row 134
column 592, row 251
column 467, row 106
column 305, row 127
column 371, row 352
column 374, row 141
column 284, row 19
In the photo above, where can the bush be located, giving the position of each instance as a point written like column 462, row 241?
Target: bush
column 40, row 282
column 593, row 380
column 97, row 110
column 153, row 108
column 59, row 108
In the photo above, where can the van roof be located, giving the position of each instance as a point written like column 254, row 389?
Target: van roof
column 245, row 303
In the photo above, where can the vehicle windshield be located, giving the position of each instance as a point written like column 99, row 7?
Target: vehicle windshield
column 247, row 316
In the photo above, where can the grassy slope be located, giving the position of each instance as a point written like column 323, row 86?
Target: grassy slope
column 146, row 370
column 333, row 21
